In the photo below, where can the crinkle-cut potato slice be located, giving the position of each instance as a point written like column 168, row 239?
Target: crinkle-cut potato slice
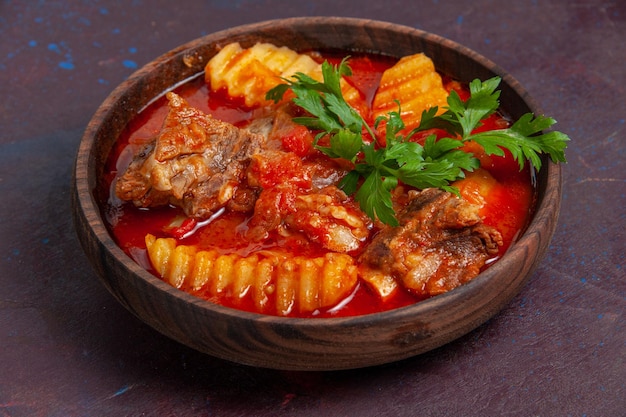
column 172, row 263
column 276, row 283
column 414, row 82
column 251, row 72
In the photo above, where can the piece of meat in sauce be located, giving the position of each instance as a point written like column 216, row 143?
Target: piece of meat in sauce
column 196, row 162
column 291, row 201
column 327, row 217
column 440, row 244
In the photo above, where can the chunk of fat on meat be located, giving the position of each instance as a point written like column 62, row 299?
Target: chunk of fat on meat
column 384, row 285
column 421, row 267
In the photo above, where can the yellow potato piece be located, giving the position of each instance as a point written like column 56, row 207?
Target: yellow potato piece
column 413, row 82
column 180, row 266
column 244, row 276
column 251, row 72
column 275, row 282
column 339, row 277
column 476, row 186
column 160, row 251
column 263, row 283
column 203, row 268
column 286, row 287
column 310, row 279
column 222, row 275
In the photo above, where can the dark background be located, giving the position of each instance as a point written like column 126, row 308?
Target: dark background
column 68, row 349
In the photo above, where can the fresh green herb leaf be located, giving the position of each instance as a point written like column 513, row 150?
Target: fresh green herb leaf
column 350, row 183
column 524, row 142
column 435, row 164
column 344, row 144
column 276, row 94
column 375, row 197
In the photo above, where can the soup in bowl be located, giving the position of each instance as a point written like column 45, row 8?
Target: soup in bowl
column 306, row 193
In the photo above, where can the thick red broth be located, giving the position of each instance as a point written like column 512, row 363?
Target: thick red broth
column 507, row 205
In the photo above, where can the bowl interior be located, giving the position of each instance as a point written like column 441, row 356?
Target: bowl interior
column 288, row 343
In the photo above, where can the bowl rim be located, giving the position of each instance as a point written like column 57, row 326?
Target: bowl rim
column 83, row 173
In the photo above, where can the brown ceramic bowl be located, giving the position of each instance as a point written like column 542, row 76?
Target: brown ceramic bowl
column 292, row 343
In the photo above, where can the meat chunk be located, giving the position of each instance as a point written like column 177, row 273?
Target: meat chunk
column 329, row 218
column 440, row 244
column 196, row 162
column 135, row 183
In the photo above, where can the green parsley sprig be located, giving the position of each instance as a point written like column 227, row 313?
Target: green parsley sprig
column 437, row 163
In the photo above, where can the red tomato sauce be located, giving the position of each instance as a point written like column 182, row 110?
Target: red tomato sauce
column 507, row 206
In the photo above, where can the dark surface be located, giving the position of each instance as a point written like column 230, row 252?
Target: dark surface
column 68, row 349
